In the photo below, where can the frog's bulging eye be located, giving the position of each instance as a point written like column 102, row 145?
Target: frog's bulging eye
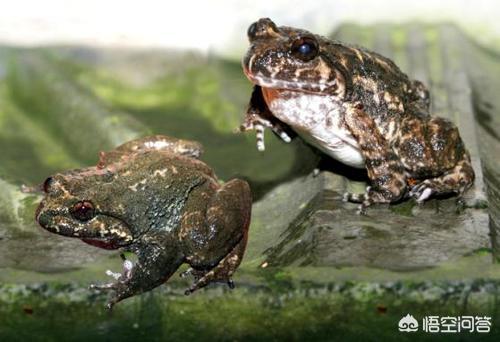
column 46, row 185
column 305, row 48
column 83, row 211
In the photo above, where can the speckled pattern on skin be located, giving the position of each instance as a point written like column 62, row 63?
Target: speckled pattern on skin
column 152, row 197
column 355, row 106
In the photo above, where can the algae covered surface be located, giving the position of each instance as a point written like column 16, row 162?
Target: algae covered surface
column 314, row 269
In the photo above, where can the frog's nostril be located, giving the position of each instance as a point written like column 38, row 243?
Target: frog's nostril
column 42, row 218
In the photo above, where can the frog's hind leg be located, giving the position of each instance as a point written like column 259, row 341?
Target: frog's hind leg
column 224, row 270
column 457, row 180
column 214, row 239
column 443, row 159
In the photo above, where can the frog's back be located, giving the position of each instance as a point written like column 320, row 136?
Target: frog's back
column 367, row 71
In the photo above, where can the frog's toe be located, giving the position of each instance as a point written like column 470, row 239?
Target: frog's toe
column 355, row 198
column 422, row 191
column 281, row 133
column 186, row 273
column 201, row 282
column 362, row 208
column 259, row 135
column 113, row 300
column 196, row 274
column 210, row 277
column 112, row 274
column 109, row 305
column 108, row 286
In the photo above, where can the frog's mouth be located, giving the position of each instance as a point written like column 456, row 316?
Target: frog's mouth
column 327, row 88
column 104, row 244
column 102, row 231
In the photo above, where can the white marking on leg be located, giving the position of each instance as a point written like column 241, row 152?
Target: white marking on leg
column 425, row 195
column 113, row 274
column 259, row 134
column 285, row 137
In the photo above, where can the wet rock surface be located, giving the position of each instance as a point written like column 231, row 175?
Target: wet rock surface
column 329, row 232
column 299, row 219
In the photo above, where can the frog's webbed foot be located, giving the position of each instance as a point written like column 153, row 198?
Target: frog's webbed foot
column 121, row 279
column 363, row 199
column 196, row 274
column 223, row 271
column 423, row 191
column 255, row 122
column 371, row 196
column 456, row 180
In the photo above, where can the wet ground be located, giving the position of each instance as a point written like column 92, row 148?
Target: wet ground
column 308, row 251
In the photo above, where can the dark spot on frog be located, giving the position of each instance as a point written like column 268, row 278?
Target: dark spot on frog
column 374, row 162
column 328, row 122
column 413, row 148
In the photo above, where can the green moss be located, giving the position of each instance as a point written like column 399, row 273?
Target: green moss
column 404, row 208
column 348, row 311
column 198, row 89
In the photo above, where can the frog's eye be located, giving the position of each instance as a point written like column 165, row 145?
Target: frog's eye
column 46, row 185
column 83, row 211
column 305, row 48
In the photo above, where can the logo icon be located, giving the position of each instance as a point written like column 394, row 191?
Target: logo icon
column 408, row 324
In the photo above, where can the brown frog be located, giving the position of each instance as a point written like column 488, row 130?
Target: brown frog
column 357, row 107
column 152, row 197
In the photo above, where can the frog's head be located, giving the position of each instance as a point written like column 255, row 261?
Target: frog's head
column 291, row 59
column 75, row 205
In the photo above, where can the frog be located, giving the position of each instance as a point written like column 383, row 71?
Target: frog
column 356, row 106
column 155, row 198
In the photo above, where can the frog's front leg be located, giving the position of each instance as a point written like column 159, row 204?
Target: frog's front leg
column 154, row 266
column 385, row 171
column 215, row 238
column 125, row 274
column 258, row 117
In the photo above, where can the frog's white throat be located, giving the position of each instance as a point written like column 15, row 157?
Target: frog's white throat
column 318, row 120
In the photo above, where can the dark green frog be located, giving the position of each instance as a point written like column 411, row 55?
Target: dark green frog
column 154, row 198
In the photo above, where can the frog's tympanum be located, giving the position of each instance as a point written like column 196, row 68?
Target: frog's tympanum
column 154, row 198
column 355, row 106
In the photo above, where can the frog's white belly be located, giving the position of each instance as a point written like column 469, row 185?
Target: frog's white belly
column 318, row 120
